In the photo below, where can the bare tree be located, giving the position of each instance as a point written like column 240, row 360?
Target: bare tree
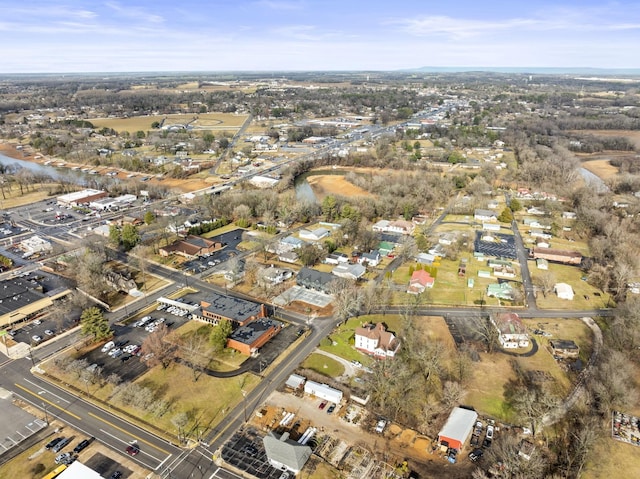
column 196, row 352
column 347, row 298
column 159, row 347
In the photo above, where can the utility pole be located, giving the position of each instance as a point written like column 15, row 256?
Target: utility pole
column 46, row 414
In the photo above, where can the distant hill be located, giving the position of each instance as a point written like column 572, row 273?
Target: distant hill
column 536, row 70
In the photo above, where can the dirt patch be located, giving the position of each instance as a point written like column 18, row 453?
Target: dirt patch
column 603, row 169
column 323, row 185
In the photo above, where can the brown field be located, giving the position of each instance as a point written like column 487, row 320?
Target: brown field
column 603, row 169
column 632, row 135
column 204, row 121
column 324, row 185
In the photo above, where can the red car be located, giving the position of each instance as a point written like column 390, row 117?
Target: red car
column 322, row 404
column 133, row 450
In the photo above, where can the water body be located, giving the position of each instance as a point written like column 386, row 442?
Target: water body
column 78, row 177
column 594, row 180
column 304, row 192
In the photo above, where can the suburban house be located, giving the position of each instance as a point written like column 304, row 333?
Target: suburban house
column 248, row 339
column 314, row 235
column 512, row 333
column 349, row 271
column 191, row 247
column 273, row 275
column 323, row 391
column 495, row 227
column 284, row 453
column 312, row 279
column 447, row 239
column 218, row 307
column 376, row 341
column 425, row 258
column 386, row 248
column 372, row 258
column 458, row 428
column 485, row 215
column 288, row 256
column 501, row 291
column 420, row 280
column 336, row 258
column 504, row 272
column 556, row 255
column 397, row 226
column 535, row 223
column 536, row 211
column 563, row 291
column 537, row 233
column 564, row 348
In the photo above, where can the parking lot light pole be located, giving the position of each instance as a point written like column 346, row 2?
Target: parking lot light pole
column 46, row 414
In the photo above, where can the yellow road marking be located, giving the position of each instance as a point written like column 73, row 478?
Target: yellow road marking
column 129, row 433
column 40, row 398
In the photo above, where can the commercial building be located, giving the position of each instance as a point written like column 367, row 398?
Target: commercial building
column 217, row 307
column 322, row 391
column 80, row 197
column 248, row 339
column 458, row 428
column 284, row 453
column 22, row 298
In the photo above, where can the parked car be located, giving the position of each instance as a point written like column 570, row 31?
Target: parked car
column 108, row 346
column 82, row 445
column 36, row 338
column 489, row 432
column 116, row 475
column 380, row 426
column 64, row 458
column 322, row 405
column 49, row 332
column 61, row 444
column 53, row 442
column 37, row 322
column 476, row 454
column 331, row 409
column 115, row 351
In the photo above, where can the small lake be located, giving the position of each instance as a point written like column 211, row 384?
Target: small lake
column 593, row 180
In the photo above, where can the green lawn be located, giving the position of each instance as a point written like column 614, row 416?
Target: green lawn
column 324, row 365
column 224, row 229
column 582, row 290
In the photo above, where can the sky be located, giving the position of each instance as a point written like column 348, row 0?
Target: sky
column 249, row 35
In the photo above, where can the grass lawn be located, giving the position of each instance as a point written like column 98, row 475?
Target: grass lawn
column 324, row 365
column 14, row 198
column 612, row 458
column 450, row 288
column 210, row 121
column 582, row 290
column 224, row 229
column 573, row 329
column 34, row 463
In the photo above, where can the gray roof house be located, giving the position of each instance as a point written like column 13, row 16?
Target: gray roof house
column 312, row 279
column 283, row 452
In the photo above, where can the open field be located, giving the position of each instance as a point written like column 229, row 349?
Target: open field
column 601, row 168
column 324, row 185
column 199, row 121
column 611, row 458
column 585, row 295
column 559, row 328
column 324, row 365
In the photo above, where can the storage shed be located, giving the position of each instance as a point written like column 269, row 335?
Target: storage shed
column 458, row 427
column 323, row 391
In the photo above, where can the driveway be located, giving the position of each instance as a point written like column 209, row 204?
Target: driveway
column 349, row 369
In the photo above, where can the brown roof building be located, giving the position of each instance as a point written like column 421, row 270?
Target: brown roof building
column 191, row 247
column 557, row 255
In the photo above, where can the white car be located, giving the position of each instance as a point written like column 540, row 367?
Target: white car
column 36, row 338
column 108, row 346
column 115, row 352
column 37, row 322
column 489, row 432
column 380, row 426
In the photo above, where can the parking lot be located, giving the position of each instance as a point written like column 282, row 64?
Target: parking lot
column 246, row 452
column 106, row 466
column 504, row 247
column 230, row 239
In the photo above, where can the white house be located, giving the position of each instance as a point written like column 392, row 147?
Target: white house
column 372, row 258
column 563, row 291
column 490, row 227
column 322, row 391
column 375, row 340
column 314, row 235
column 511, row 331
column 485, row 215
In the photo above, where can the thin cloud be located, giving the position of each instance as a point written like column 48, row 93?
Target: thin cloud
column 279, row 5
column 459, row 28
column 135, row 13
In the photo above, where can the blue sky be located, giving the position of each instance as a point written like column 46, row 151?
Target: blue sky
column 217, row 35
